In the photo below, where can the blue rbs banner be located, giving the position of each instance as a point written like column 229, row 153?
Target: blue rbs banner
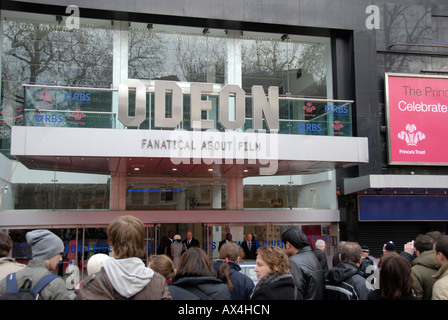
column 403, row 208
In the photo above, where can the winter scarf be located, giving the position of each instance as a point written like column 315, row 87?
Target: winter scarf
column 269, row 279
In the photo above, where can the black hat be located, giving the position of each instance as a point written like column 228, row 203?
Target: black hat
column 365, row 248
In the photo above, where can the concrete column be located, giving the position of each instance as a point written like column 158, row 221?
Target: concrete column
column 215, row 195
column 234, row 194
column 118, row 192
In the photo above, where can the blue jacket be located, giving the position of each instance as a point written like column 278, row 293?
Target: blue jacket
column 242, row 284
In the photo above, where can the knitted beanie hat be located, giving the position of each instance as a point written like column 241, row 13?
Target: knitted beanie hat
column 44, row 244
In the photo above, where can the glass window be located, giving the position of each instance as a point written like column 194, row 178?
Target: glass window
column 176, row 53
column 188, row 195
column 291, row 192
column 38, row 50
column 60, row 196
column 42, row 52
column 299, row 66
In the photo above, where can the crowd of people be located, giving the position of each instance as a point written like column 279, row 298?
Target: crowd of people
column 183, row 271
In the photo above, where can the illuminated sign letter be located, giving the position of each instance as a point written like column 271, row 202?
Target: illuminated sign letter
column 140, row 102
column 239, row 107
column 198, row 105
column 160, row 119
column 261, row 106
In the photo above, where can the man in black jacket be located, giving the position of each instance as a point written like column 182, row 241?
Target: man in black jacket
column 249, row 247
column 321, row 255
column 344, row 281
column 191, row 242
column 307, row 272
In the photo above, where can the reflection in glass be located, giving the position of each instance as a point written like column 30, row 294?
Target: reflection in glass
column 61, row 196
column 188, row 195
column 185, row 54
column 298, row 68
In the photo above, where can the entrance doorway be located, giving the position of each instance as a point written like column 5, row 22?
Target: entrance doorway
column 181, row 228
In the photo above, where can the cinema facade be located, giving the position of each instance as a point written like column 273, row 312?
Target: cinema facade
column 243, row 117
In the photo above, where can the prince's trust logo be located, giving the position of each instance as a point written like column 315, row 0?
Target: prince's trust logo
column 412, row 137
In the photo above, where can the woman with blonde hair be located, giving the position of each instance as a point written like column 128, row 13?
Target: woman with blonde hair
column 163, row 265
column 274, row 276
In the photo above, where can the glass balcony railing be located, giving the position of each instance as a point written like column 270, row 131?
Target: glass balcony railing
column 94, row 108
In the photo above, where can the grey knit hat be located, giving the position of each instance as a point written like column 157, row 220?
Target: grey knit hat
column 44, row 244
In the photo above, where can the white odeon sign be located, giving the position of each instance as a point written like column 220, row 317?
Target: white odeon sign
column 209, row 146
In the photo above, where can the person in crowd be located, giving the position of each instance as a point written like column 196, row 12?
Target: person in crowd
column 165, row 244
column 408, row 251
column 7, row 264
column 337, row 255
column 177, row 249
column 395, row 279
column 321, row 255
column 226, row 240
column 367, row 264
column 196, row 280
column 125, row 276
column 95, row 263
column 424, row 267
column 346, row 275
column 389, row 247
column 274, row 276
column 190, row 241
column 435, row 235
column 47, row 250
column 249, row 247
column 228, row 269
column 440, row 288
column 307, row 272
column 164, row 265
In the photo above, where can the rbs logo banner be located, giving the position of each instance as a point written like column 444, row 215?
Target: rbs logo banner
column 417, row 114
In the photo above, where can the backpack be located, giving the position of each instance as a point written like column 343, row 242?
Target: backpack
column 341, row 291
column 14, row 293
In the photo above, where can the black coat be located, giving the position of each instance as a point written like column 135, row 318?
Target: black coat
column 212, row 287
column 243, row 285
column 193, row 244
column 279, row 289
column 249, row 254
column 308, row 275
column 349, row 273
column 322, row 257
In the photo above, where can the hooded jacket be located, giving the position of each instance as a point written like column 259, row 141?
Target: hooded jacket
column 348, row 273
column 124, row 279
column 424, row 267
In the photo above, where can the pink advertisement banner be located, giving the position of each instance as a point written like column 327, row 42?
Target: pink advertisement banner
column 417, row 116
